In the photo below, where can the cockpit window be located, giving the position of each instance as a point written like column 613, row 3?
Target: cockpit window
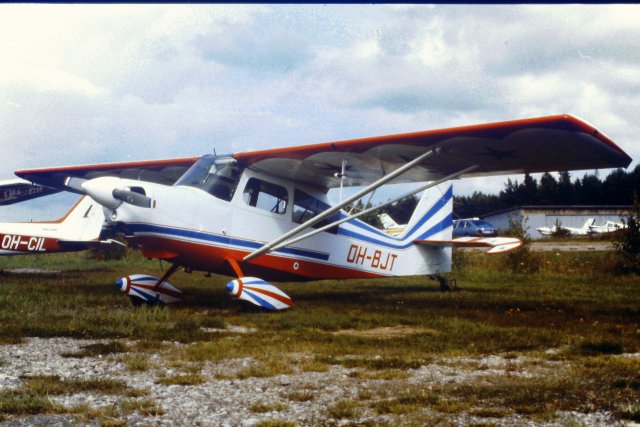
column 217, row 175
column 265, row 195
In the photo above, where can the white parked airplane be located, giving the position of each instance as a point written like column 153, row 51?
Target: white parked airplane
column 607, row 227
column 264, row 215
column 585, row 230
column 79, row 229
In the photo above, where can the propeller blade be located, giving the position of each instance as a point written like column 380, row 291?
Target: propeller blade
column 75, row 184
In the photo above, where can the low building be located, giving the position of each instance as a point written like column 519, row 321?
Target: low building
column 548, row 216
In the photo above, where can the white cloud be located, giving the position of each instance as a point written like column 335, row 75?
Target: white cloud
column 98, row 83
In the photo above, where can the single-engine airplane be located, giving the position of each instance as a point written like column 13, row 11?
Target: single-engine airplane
column 573, row 231
column 607, row 227
column 80, row 228
column 265, row 215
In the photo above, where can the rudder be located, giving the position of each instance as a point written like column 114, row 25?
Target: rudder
column 83, row 221
column 433, row 216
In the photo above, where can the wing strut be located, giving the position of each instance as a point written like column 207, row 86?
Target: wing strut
column 350, row 217
column 343, row 203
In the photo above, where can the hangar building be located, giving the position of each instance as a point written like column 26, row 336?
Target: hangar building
column 546, row 216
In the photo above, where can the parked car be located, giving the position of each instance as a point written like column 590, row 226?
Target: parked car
column 473, row 227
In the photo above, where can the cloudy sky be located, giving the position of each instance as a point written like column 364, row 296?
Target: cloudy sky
column 102, row 83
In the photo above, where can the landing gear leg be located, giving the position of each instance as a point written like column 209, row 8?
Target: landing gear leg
column 165, row 277
column 446, row 285
column 139, row 302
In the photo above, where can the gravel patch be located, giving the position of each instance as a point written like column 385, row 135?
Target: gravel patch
column 228, row 402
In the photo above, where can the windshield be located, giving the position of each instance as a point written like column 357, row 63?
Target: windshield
column 217, row 175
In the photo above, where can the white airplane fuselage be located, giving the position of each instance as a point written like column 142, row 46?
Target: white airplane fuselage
column 607, row 227
column 190, row 227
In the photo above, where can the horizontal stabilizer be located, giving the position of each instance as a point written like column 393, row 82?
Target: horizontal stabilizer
column 259, row 292
column 498, row 245
column 86, row 244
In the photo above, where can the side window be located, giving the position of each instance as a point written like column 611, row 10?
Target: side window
column 265, row 195
column 306, row 207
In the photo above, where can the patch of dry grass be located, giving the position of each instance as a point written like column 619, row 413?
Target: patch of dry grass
column 301, row 396
column 381, row 329
column 382, row 374
column 53, row 384
column 143, row 406
column 261, row 408
column 98, row 349
column 137, row 362
column 344, row 409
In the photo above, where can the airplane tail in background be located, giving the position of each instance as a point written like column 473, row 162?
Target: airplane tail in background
column 83, row 222
column 387, row 221
column 587, row 225
column 79, row 229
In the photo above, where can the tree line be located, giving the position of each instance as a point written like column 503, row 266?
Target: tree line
column 618, row 188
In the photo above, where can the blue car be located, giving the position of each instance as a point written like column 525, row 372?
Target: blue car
column 473, row 227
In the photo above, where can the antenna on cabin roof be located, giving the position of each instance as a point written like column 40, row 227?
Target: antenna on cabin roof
column 214, row 151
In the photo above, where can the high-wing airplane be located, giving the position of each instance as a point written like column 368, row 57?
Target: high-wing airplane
column 573, row 231
column 79, row 229
column 265, row 215
column 607, row 227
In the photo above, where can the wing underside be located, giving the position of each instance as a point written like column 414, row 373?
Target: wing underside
column 554, row 143
column 18, row 190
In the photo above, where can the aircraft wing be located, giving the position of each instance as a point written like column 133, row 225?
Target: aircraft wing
column 159, row 171
column 19, row 190
column 553, row 143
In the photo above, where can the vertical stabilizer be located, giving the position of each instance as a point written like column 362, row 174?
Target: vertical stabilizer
column 84, row 221
column 432, row 218
column 387, row 221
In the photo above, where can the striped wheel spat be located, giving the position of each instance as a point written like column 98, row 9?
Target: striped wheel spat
column 259, row 292
column 144, row 287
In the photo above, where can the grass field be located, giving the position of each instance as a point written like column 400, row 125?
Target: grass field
column 573, row 310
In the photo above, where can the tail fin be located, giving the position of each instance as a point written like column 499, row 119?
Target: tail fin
column 84, row 221
column 432, row 218
column 589, row 223
column 387, row 221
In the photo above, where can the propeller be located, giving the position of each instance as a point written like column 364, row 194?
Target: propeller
column 109, row 191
